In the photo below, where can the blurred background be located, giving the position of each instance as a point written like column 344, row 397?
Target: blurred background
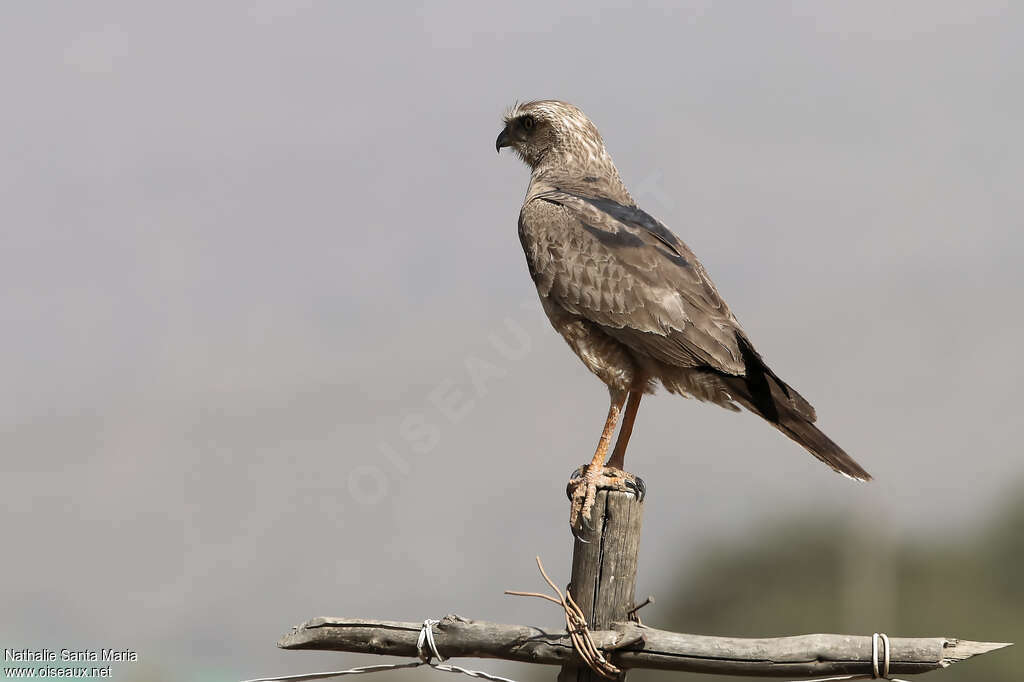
column 271, row 351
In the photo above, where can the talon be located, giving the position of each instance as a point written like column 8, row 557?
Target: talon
column 637, row 485
column 585, row 522
column 582, row 491
column 574, row 478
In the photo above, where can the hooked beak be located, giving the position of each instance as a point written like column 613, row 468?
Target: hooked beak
column 502, row 140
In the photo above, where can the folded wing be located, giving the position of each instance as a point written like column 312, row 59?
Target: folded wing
column 620, row 268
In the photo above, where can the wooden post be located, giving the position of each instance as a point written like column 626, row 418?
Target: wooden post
column 604, row 566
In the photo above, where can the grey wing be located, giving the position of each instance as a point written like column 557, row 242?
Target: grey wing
column 620, row 268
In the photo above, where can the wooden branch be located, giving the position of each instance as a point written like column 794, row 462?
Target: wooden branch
column 629, row 645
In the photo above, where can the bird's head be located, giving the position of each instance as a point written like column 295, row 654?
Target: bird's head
column 548, row 132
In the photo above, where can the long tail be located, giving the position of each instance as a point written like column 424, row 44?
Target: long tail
column 765, row 394
column 821, row 446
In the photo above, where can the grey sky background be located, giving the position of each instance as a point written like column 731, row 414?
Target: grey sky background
column 243, row 246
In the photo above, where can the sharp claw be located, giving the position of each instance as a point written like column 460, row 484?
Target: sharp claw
column 637, row 485
column 577, row 533
column 576, row 475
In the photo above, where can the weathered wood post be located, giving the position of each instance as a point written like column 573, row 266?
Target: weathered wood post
column 604, row 568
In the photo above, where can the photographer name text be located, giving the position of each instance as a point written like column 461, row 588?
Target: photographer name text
column 82, row 655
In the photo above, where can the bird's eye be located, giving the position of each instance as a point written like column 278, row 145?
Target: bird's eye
column 528, row 122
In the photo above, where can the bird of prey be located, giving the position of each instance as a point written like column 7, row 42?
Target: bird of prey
column 632, row 300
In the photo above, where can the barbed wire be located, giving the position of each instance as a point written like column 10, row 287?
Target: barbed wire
column 576, row 626
column 426, row 648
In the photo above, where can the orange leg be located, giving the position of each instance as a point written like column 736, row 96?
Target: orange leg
column 584, row 490
column 614, row 410
column 618, row 458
